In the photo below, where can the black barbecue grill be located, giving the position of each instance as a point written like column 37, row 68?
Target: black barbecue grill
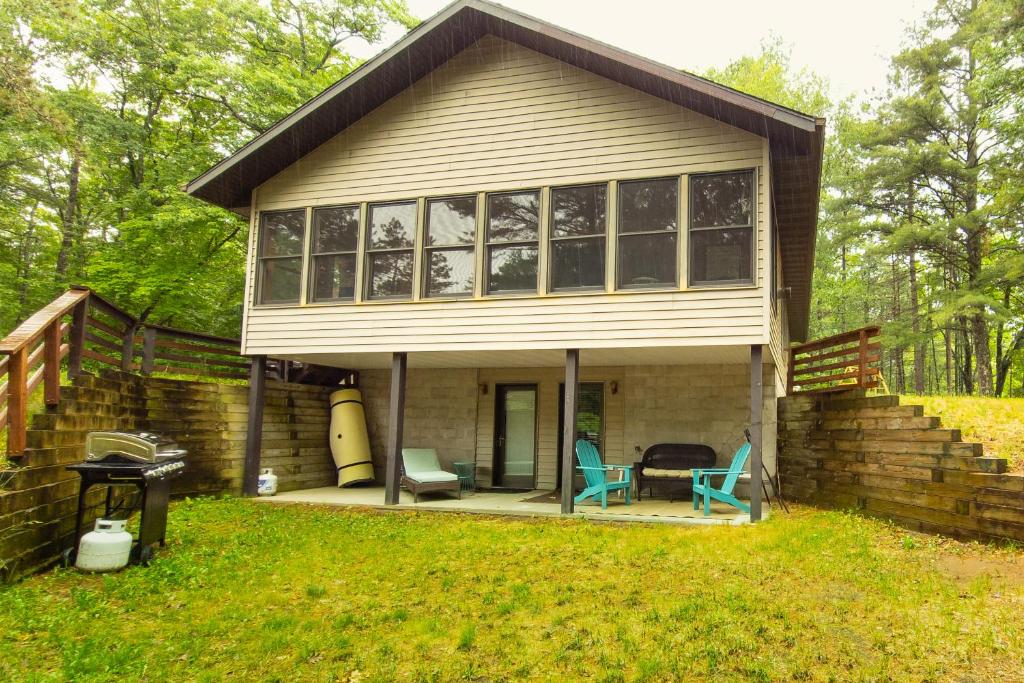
column 141, row 460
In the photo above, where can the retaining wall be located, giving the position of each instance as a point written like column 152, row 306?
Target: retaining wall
column 38, row 496
column 892, row 461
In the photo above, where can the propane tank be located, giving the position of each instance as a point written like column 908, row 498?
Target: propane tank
column 267, row 484
column 106, row 548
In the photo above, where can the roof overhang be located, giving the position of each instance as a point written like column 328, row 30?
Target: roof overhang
column 795, row 139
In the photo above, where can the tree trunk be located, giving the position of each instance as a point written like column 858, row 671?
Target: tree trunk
column 915, row 323
column 69, row 222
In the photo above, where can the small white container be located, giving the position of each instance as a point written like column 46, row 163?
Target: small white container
column 106, row 548
column 267, row 483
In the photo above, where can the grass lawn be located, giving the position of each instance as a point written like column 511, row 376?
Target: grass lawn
column 996, row 422
column 286, row 593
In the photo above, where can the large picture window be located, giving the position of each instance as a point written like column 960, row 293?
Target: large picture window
column 647, row 231
column 280, row 257
column 578, row 237
column 389, row 250
column 449, row 258
column 513, row 224
column 721, row 228
column 335, row 240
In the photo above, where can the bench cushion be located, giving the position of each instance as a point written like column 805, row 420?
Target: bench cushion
column 662, row 473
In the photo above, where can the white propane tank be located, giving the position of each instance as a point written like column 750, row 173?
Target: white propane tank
column 105, row 548
column 267, row 484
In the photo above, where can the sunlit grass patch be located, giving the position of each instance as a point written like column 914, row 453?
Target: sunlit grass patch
column 261, row 592
column 998, row 423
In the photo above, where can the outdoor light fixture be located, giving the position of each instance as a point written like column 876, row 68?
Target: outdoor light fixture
column 614, row 387
column 483, row 388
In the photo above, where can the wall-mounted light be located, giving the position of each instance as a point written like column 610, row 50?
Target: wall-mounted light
column 614, row 387
column 483, row 388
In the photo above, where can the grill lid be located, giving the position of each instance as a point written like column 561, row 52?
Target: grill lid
column 144, row 447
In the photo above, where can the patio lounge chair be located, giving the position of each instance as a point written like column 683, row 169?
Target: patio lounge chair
column 421, row 472
column 702, row 483
column 596, row 473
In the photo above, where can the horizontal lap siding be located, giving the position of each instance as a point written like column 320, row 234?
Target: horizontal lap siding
column 498, row 117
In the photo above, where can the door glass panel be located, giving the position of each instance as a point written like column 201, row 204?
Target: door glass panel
column 520, row 429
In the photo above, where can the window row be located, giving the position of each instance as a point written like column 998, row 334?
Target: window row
column 721, row 242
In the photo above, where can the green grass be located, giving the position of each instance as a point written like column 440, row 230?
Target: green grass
column 260, row 592
column 998, row 423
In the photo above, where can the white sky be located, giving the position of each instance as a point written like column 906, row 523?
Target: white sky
column 848, row 42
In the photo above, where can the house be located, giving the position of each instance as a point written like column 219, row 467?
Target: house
column 496, row 208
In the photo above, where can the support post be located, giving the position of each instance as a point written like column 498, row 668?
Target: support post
column 51, row 363
column 254, row 430
column 17, row 401
column 76, row 342
column 396, row 422
column 756, row 431
column 128, row 347
column 572, row 388
column 148, row 350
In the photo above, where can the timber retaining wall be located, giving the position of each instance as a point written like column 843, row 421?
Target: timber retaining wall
column 889, row 460
column 38, row 496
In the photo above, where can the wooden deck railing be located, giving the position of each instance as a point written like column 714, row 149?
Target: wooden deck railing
column 88, row 330
column 845, row 361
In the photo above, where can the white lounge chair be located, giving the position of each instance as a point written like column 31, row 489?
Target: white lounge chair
column 421, row 472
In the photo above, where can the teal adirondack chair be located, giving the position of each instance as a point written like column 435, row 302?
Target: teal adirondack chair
column 702, row 483
column 595, row 473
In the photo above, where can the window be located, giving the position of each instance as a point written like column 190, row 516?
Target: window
column 578, row 237
column 512, row 235
column 389, row 251
column 449, row 246
column 335, row 239
column 721, row 228
column 648, row 223
column 280, row 256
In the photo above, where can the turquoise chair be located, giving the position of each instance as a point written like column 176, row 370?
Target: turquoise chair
column 595, row 473
column 702, row 483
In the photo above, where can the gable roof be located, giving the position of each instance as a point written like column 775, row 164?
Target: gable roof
column 795, row 139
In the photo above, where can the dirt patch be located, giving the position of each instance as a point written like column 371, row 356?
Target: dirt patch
column 1007, row 569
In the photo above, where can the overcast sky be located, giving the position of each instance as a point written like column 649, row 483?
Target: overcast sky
column 846, row 41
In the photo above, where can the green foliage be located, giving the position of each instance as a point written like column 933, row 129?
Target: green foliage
column 109, row 106
column 922, row 218
column 258, row 591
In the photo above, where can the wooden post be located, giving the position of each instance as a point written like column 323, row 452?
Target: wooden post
column 572, row 388
column 862, row 359
column 51, row 363
column 17, row 401
column 128, row 347
column 254, row 429
column 76, row 341
column 789, row 372
column 756, row 406
column 396, row 422
column 148, row 350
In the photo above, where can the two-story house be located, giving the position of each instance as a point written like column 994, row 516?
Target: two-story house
column 496, row 208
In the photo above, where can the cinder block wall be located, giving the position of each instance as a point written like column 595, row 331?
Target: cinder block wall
column 38, row 496
column 892, row 461
column 454, row 410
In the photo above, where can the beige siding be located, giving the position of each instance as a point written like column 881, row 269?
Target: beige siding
column 498, row 117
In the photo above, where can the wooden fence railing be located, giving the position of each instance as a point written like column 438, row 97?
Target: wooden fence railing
column 845, row 361
column 85, row 328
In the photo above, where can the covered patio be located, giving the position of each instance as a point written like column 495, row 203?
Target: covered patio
column 622, row 400
column 520, row 504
